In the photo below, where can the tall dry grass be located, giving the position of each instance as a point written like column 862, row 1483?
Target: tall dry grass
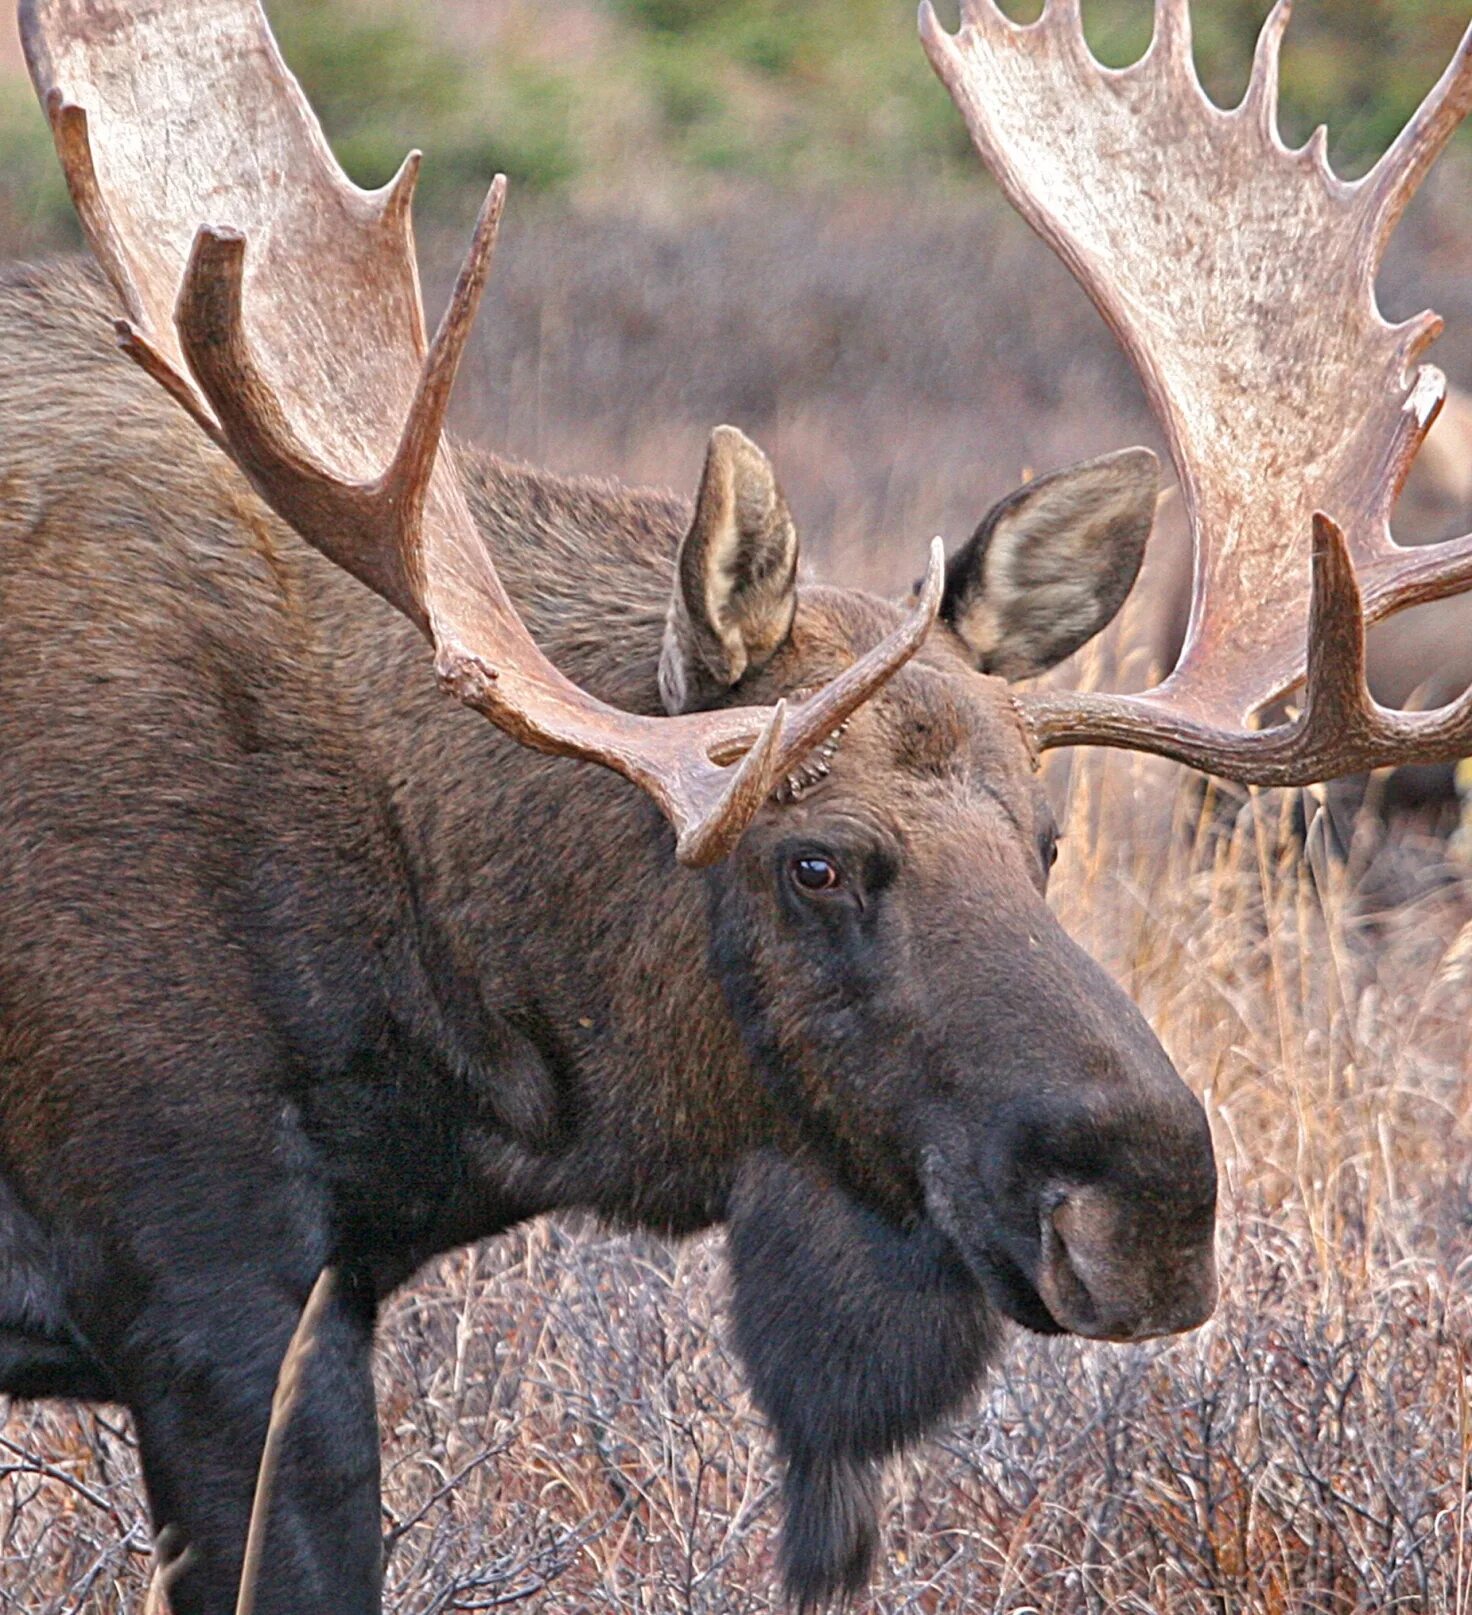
column 564, row 1426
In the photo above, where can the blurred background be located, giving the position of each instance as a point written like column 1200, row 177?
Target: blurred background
column 644, row 104
column 765, row 211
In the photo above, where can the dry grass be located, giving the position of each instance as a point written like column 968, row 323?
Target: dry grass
column 564, row 1425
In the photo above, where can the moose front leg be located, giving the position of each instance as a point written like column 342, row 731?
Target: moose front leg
column 201, row 1394
column 857, row 1337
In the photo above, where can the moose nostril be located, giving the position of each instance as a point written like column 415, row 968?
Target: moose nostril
column 1064, row 1289
column 1099, row 1273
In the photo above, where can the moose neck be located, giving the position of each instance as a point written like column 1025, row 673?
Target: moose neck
column 622, row 1073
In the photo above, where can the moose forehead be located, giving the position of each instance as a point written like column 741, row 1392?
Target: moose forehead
column 936, row 720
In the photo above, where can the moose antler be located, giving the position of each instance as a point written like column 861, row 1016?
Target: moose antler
column 1239, row 275
column 280, row 306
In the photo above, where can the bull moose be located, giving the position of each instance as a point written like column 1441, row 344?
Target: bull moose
column 306, row 967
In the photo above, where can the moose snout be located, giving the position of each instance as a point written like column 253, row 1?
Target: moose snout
column 1078, row 1225
column 1123, row 1197
column 1107, row 1272
column 1074, row 1171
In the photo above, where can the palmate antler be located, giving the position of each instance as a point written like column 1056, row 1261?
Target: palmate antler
column 1239, row 276
column 280, row 306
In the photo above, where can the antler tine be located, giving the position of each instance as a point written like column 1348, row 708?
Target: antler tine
column 822, row 713
column 72, row 135
column 344, row 519
column 370, row 528
column 408, row 476
column 1337, row 698
column 1239, row 276
column 396, row 200
column 1173, row 35
column 1261, row 98
column 1395, row 179
column 712, row 832
column 1340, row 728
column 74, row 147
column 284, row 314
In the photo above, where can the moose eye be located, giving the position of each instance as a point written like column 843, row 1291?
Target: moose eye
column 1048, row 848
column 813, row 873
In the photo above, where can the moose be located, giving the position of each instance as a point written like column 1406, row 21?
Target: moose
column 734, row 912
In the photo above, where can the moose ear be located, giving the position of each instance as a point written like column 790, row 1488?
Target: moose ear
column 1052, row 563
column 735, row 579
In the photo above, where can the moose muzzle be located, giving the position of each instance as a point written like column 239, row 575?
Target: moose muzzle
column 1073, row 1229
column 1072, row 1168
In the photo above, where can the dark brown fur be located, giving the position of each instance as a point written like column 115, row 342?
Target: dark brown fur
column 302, row 964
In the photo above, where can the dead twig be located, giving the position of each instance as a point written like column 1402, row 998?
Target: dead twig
column 288, row 1388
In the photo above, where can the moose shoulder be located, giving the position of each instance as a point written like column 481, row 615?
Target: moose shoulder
column 303, row 964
